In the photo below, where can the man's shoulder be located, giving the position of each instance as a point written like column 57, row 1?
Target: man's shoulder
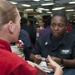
column 71, row 36
column 10, row 58
column 23, row 31
column 10, row 62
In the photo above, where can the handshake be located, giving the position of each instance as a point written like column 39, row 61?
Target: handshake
column 54, row 67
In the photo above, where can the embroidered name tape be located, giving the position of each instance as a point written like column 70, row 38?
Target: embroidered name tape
column 65, row 51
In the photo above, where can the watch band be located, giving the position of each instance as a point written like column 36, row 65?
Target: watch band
column 62, row 61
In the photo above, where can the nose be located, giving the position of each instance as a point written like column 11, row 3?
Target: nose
column 56, row 28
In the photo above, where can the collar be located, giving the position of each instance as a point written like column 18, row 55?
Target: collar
column 4, row 45
column 48, row 40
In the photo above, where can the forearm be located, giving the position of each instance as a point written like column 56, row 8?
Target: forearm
column 58, row 71
column 65, row 62
column 69, row 63
column 32, row 56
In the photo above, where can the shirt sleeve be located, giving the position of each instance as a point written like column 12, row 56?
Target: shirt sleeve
column 24, row 36
column 24, row 70
column 37, row 48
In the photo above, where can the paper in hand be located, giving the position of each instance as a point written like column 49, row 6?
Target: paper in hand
column 40, row 70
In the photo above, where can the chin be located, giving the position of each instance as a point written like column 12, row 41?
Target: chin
column 56, row 36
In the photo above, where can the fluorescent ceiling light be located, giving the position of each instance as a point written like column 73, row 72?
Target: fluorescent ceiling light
column 36, row 0
column 49, row 12
column 46, row 9
column 29, row 9
column 73, row 2
column 26, row 5
column 47, row 4
column 43, row 9
column 47, row 0
column 70, row 10
column 58, row 8
column 13, row 2
column 39, row 10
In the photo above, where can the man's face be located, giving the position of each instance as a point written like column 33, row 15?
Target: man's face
column 58, row 26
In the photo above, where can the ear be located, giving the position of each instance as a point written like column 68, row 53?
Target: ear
column 11, row 27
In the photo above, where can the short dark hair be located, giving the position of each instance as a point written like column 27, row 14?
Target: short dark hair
column 61, row 14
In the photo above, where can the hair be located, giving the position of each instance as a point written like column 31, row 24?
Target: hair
column 47, row 22
column 23, row 20
column 31, row 21
column 42, row 20
column 8, row 12
column 61, row 14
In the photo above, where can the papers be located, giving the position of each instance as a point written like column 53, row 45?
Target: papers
column 44, row 66
column 15, row 49
column 41, row 71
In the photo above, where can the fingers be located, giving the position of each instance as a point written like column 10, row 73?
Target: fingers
column 40, row 70
column 31, row 63
column 38, row 56
column 49, row 58
column 37, row 59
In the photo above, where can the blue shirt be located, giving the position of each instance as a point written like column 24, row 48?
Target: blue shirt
column 24, row 36
column 62, row 48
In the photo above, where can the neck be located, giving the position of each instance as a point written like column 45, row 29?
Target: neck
column 5, row 37
column 56, row 38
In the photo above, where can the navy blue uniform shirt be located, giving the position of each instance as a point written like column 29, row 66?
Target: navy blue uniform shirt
column 62, row 48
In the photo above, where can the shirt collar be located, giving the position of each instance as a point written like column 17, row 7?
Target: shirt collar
column 48, row 40
column 4, row 45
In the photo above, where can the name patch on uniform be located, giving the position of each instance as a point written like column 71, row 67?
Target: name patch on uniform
column 65, row 51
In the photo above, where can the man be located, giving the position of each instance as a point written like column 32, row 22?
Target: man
column 10, row 63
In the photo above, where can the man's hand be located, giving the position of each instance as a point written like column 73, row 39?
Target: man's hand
column 55, row 67
column 37, row 59
column 39, row 69
column 58, row 60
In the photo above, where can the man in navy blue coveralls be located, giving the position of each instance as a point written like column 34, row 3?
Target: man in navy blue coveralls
column 58, row 44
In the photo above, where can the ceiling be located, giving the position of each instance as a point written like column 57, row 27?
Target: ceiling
column 37, row 4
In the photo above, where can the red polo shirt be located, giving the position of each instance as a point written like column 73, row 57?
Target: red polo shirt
column 11, row 64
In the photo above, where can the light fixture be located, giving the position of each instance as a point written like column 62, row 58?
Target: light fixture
column 46, row 4
column 47, row 0
column 36, row 0
column 45, row 9
column 73, row 2
column 26, row 5
column 58, row 8
column 49, row 12
column 29, row 9
column 39, row 10
column 13, row 2
column 70, row 10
